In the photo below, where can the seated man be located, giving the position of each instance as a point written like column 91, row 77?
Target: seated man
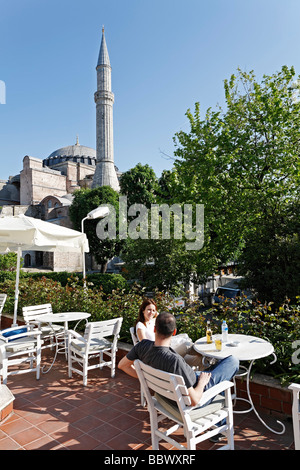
column 160, row 355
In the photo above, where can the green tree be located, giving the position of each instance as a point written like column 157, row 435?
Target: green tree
column 140, row 185
column 243, row 165
column 86, row 200
column 157, row 263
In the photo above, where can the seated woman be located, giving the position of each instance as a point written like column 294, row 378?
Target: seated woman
column 144, row 329
column 146, row 320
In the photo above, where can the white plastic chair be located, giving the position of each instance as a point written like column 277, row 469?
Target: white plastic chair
column 18, row 346
column 135, row 340
column 296, row 414
column 93, row 344
column 198, row 424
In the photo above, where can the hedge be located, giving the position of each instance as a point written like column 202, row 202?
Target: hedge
column 280, row 327
column 107, row 281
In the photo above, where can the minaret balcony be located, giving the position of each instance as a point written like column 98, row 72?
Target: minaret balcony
column 104, row 96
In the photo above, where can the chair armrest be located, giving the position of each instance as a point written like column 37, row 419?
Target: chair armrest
column 74, row 334
column 13, row 328
column 215, row 390
column 8, row 339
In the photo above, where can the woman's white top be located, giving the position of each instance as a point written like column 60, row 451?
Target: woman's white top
column 148, row 330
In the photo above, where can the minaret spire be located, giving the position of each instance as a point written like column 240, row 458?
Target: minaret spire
column 105, row 173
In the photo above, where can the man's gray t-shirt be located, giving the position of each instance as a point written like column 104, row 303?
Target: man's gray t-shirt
column 163, row 358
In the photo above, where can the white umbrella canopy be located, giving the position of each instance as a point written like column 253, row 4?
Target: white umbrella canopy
column 19, row 233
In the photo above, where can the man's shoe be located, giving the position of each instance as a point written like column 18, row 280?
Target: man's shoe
column 217, row 438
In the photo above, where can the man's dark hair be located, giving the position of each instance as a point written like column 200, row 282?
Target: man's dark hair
column 165, row 324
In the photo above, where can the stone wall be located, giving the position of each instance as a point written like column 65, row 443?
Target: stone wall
column 37, row 182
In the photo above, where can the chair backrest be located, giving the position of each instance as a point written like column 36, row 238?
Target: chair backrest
column 103, row 329
column 134, row 337
column 3, row 298
column 170, row 386
column 32, row 312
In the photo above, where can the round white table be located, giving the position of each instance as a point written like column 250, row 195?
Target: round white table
column 65, row 318
column 244, row 348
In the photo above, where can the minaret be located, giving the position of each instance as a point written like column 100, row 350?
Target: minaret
column 105, row 173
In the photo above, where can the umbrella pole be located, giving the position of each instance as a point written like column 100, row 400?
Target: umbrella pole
column 17, row 286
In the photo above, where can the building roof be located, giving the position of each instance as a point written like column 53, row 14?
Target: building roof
column 74, row 153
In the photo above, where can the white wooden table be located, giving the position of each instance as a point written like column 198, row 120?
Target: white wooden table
column 245, row 348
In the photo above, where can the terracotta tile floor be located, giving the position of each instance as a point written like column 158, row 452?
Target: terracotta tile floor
column 59, row 413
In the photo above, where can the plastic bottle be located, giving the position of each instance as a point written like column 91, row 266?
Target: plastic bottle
column 208, row 333
column 224, row 331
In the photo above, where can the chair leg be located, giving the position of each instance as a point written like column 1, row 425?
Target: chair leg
column 154, row 427
column 113, row 364
column 191, row 445
column 4, row 371
column 38, row 366
column 230, row 438
column 70, row 364
column 85, row 371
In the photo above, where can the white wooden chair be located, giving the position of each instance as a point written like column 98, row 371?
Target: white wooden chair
column 198, row 423
column 50, row 332
column 20, row 346
column 135, row 340
column 93, row 344
column 296, row 414
column 3, row 298
column 134, row 337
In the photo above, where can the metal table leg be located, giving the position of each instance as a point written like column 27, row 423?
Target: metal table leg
column 249, row 400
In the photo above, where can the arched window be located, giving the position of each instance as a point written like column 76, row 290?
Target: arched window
column 27, row 260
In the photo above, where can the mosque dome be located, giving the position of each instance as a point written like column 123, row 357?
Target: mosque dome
column 73, row 153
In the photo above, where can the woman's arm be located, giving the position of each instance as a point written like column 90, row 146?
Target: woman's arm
column 141, row 334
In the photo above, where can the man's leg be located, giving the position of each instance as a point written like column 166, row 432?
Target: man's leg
column 223, row 370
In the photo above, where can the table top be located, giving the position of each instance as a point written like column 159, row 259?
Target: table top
column 63, row 317
column 249, row 348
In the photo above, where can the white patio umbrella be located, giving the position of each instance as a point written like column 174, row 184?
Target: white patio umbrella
column 19, row 233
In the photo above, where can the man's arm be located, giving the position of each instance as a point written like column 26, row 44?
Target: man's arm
column 127, row 366
column 197, row 392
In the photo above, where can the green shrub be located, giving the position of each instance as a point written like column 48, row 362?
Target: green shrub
column 108, row 281
column 243, row 316
column 280, row 327
column 73, row 297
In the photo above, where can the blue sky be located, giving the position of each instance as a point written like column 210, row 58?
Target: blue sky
column 165, row 56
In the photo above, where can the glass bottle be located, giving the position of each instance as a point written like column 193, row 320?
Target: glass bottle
column 208, row 333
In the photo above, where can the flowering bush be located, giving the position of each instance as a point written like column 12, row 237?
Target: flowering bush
column 281, row 327
column 74, row 297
